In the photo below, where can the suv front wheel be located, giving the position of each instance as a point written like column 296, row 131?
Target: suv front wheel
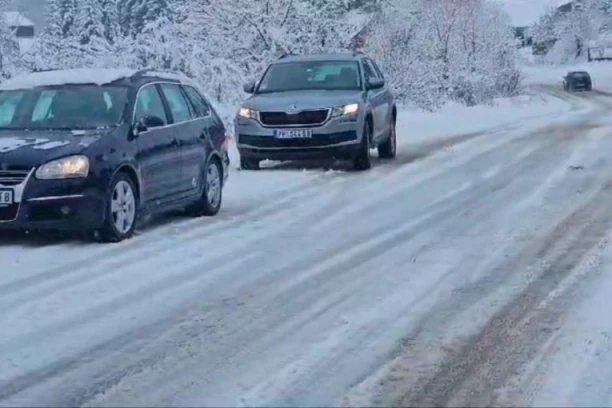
column 388, row 149
column 362, row 160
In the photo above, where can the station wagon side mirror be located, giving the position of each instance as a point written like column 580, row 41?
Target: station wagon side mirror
column 147, row 122
column 249, row 87
column 375, row 83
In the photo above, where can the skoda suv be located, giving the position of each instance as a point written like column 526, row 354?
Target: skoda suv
column 323, row 106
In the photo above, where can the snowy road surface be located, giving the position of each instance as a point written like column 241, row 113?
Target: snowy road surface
column 473, row 270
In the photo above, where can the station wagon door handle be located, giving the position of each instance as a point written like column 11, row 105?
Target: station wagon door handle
column 176, row 142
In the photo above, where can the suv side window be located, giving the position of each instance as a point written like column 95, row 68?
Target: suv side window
column 199, row 103
column 368, row 71
column 149, row 103
column 179, row 107
column 377, row 69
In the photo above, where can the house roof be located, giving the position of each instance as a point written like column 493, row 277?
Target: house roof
column 16, row 19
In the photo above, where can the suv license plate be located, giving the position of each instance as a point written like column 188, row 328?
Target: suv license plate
column 6, row 197
column 293, row 134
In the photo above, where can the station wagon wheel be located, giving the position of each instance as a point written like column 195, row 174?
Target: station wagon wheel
column 122, row 207
column 209, row 203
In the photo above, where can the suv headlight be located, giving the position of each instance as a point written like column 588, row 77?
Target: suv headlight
column 350, row 110
column 247, row 113
column 68, row 167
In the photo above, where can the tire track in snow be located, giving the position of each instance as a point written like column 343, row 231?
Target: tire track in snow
column 339, row 276
column 447, row 210
column 189, row 230
column 591, row 220
column 483, row 364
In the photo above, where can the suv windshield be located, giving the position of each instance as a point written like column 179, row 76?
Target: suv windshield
column 62, row 107
column 307, row 75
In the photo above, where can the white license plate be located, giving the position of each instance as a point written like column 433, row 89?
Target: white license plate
column 6, row 197
column 293, row 134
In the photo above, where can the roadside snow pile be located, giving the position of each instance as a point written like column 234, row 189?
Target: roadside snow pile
column 601, row 73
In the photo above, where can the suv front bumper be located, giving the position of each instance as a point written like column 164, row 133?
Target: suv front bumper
column 337, row 138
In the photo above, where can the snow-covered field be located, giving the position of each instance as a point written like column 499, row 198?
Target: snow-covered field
column 472, row 270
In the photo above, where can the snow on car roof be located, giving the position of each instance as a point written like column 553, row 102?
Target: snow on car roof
column 66, row 77
column 184, row 79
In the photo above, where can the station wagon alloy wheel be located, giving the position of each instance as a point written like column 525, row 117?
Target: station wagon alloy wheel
column 212, row 193
column 213, row 184
column 123, row 207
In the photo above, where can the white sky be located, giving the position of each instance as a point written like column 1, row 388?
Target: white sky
column 526, row 12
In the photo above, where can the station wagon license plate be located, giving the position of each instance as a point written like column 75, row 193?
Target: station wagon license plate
column 293, row 134
column 6, row 197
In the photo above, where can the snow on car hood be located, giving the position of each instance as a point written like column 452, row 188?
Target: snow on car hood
column 34, row 147
column 312, row 99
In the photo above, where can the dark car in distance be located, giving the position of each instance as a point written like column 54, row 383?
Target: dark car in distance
column 577, row 81
column 95, row 150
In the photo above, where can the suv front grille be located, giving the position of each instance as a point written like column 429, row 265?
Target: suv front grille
column 316, row 140
column 12, row 177
column 304, row 118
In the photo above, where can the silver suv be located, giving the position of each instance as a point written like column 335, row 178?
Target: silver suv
column 324, row 106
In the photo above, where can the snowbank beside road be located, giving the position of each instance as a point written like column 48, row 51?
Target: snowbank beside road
column 454, row 119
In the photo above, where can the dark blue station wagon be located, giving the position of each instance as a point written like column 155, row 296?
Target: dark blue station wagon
column 95, row 150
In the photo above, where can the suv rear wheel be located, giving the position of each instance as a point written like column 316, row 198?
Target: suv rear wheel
column 247, row 163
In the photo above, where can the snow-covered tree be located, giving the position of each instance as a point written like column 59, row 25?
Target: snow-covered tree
column 9, row 47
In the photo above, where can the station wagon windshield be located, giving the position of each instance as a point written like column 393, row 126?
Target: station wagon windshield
column 63, row 107
column 311, row 75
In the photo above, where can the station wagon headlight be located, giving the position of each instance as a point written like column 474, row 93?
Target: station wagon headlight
column 346, row 110
column 68, row 167
column 247, row 113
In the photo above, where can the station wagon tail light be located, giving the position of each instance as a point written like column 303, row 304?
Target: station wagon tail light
column 350, row 110
column 247, row 113
column 68, row 167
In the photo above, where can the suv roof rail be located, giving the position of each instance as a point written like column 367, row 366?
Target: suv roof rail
column 287, row 54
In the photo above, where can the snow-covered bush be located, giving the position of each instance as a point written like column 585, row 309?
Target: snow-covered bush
column 436, row 50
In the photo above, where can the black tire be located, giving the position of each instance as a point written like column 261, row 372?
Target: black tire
column 388, row 149
column 205, row 206
column 247, row 163
column 362, row 160
column 109, row 231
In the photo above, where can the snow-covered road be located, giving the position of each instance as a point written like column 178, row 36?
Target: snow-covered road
column 473, row 270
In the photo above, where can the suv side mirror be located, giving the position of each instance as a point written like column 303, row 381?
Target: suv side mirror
column 146, row 122
column 249, row 87
column 375, row 83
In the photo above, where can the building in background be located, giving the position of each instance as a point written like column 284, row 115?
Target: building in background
column 23, row 28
